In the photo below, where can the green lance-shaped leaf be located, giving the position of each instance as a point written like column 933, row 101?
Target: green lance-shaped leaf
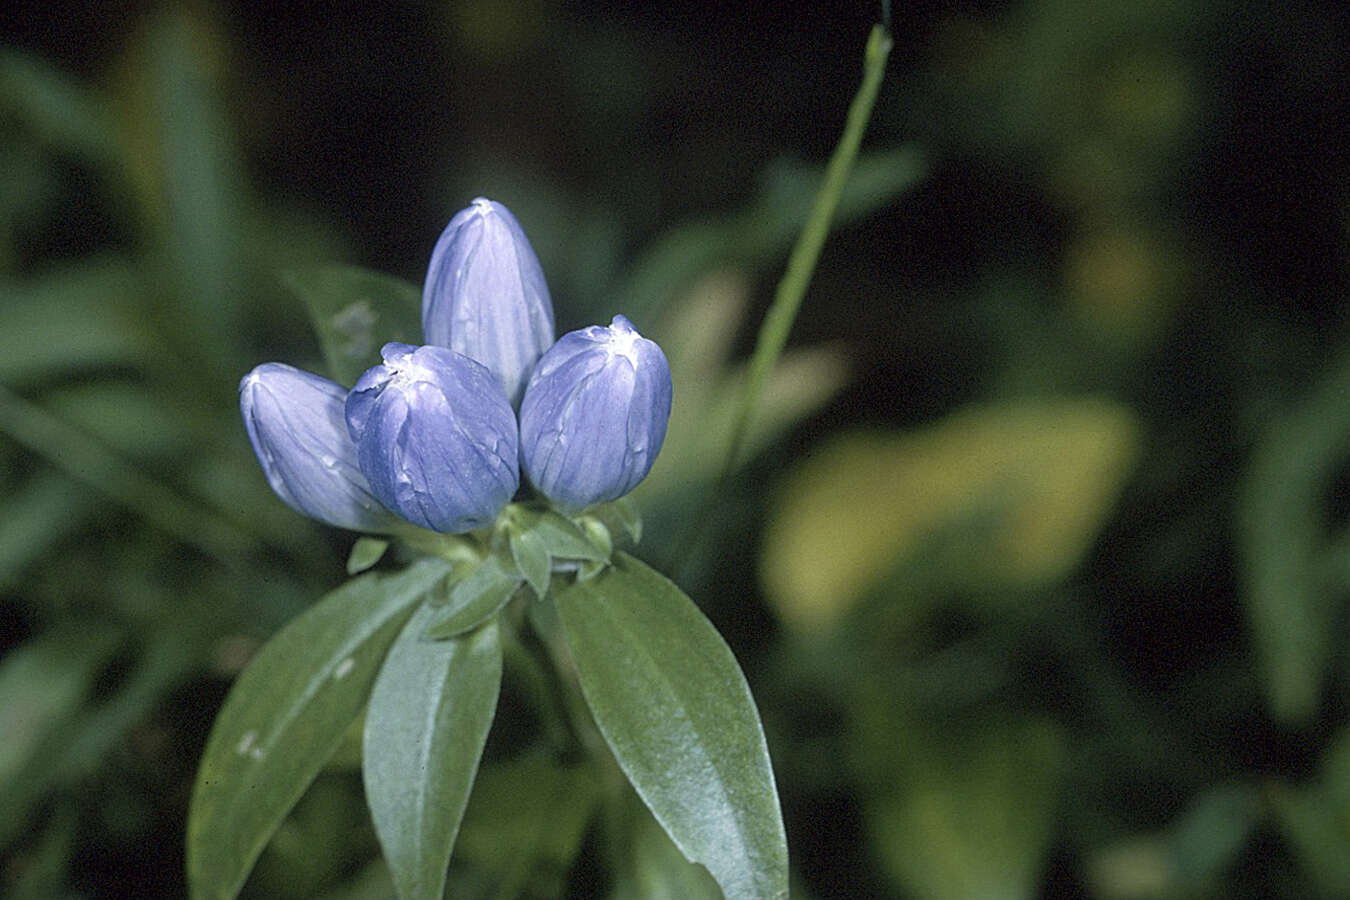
column 473, row 598
column 656, row 870
column 428, row 719
column 355, row 312
column 677, row 713
column 524, row 848
column 1293, row 563
column 530, row 554
column 366, row 552
column 560, row 536
column 625, row 513
column 285, row 716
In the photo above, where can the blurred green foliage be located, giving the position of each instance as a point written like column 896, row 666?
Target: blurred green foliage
column 1038, row 569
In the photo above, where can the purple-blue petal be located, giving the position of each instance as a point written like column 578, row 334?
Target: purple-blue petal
column 295, row 421
column 436, row 437
column 485, row 295
column 594, row 415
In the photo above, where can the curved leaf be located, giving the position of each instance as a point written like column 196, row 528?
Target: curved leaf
column 526, row 849
column 1291, row 582
column 531, row 557
column 285, row 716
column 656, row 870
column 74, row 318
column 474, row 598
column 674, row 707
column 560, row 535
column 1017, row 490
column 356, row 312
column 428, row 719
column 625, row 513
column 974, row 813
column 366, row 552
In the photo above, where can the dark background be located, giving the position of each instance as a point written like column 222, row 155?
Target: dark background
column 1085, row 366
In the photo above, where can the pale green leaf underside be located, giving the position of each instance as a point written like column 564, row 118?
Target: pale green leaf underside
column 428, row 719
column 626, row 512
column 511, row 842
column 656, row 870
column 285, row 716
column 530, row 553
column 672, row 703
column 473, row 599
column 561, row 537
column 366, row 552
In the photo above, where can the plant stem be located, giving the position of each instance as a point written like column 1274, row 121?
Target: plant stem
column 774, row 330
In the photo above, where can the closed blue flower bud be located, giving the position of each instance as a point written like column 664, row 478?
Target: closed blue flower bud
column 485, row 295
column 436, row 437
column 297, row 426
column 594, row 415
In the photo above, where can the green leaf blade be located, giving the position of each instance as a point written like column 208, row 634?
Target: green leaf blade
column 429, row 716
column 531, row 557
column 676, row 710
column 356, row 312
column 560, row 535
column 74, row 318
column 366, row 552
column 656, row 870
column 474, row 599
column 526, row 849
column 626, row 513
column 285, row 716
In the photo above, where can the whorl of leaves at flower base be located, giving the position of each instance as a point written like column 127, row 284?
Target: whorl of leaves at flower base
column 594, row 415
column 436, row 437
column 296, row 424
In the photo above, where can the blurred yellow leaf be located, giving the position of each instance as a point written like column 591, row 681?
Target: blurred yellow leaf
column 1314, row 818
column 1027, row 485
column 1190, row 857
column 975, row 815
column 1123, row 281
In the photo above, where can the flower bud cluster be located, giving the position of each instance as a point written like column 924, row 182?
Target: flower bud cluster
column 432, row 437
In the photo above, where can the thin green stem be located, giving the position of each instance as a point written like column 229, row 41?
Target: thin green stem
column 773, row 332
column 777, row 324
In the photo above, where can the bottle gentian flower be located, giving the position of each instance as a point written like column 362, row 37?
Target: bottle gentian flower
column 435, row 436
column 296, row 423
column 485, row 295
column 594, row 415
